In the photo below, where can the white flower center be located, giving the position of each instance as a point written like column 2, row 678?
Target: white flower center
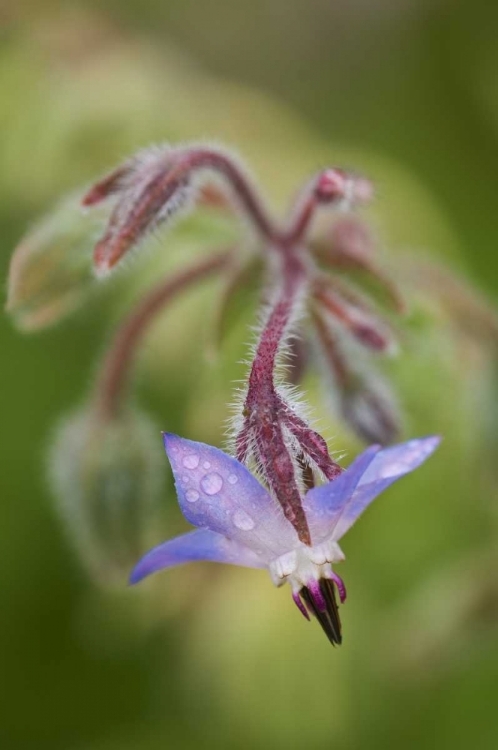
column 304, row 564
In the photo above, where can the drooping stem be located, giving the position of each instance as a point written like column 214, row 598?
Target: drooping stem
column 365, row 265
column 335, row 360
column 331, row 186
column 262, row 430
column 362, row 324
column 114, row 371
column 152, row 189
column 201, row 158
column 263, row 366
column 302, row 218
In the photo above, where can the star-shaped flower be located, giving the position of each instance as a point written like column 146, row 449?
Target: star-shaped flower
column 240, row 523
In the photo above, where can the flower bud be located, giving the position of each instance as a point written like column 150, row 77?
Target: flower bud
column 335, row 185
column 369, row 408
column 51, row 269
column 349, row 246
column 355, row 316
column 107, row 476
column 351, row 238
column 359, row 395
column 147, row 195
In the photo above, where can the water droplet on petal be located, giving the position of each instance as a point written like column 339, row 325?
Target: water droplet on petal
column 233, row 479
column 211, row 483
column 191, row 461
column 185, row 479
column 206, row 465
column 243, row 521
column 192, row 496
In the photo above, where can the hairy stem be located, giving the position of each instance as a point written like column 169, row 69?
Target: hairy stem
column 199, row 158
column 263, row 406
column 263, row 366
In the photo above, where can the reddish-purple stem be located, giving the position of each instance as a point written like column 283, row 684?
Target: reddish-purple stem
column 263, row 406
column 329, row 186
column 200, row 158
column 336, row 260
column 115, row 368
column 330, row 350
column 263, row 366
column 363, row 325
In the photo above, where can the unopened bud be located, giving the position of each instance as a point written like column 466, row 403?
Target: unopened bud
column 359, row 395
column 51, row 269
column 147, row 193
column 107, row 478
column 351, row 311
column 352, row 238
column 335, row 185
column 369, row 408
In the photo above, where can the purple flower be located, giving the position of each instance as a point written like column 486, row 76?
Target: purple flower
column 240, row 523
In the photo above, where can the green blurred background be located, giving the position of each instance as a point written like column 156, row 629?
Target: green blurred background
column 206, row 657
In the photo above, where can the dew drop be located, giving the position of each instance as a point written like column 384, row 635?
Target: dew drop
column 243, row 521
column 206, row 465
column 185, row 479
column 192, row 496
column 211, row 483
column 191, row 461
column 233, row 479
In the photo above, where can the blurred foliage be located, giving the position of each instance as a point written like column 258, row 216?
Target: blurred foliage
column 405, row 92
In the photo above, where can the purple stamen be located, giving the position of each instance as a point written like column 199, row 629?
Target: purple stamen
column 341, row 588
column 317, row 595
column 299, row 604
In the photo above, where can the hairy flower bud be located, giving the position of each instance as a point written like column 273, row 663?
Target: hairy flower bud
column 107, row 477
column 51, row 269
column 147, row 195
column 337, row 185
column 360, row 396
column 355, row 317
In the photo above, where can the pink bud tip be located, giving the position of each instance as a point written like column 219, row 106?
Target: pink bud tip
column 331, row 185
column 335, row 185
column 102, row 189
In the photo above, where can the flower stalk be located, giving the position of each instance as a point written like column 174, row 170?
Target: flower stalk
column 292, row 524
column 114, row 372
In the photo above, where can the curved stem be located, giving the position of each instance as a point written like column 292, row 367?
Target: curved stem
column 114, row 370
column 330, row 186
column 301, row 220
column 199, row 158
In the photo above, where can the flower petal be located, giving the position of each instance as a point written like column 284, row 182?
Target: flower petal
column 215, row 491
column 201, row 544
column 333, row 508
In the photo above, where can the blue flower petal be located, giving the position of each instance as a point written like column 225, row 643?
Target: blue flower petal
column 201, row 544
column 333, row 508
column 215, row 491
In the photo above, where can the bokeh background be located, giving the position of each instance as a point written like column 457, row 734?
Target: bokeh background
column 407, row 93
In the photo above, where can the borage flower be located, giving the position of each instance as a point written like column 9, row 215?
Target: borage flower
column 242, row 524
